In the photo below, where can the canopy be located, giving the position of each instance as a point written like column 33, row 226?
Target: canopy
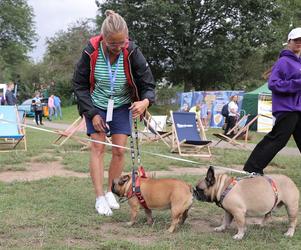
column 250, row 101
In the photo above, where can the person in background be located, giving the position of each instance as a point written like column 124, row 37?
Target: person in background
column 2, row 99
column 285, row 84
column 51, row 107
column 37, row 108
column 185, row 108
column 57, row 106
column 197, row 110
column 233, row 115
column 204, row 115
column 113, row 84
column 9, row 94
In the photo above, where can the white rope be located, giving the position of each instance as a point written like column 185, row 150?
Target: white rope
column 126, row 148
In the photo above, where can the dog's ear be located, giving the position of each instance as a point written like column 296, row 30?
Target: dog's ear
column 124, row 179
column 210, row 178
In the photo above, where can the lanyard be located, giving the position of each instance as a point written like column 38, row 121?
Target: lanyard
column 111, row 76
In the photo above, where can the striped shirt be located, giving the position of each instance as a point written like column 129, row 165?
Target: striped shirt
column 102, row 91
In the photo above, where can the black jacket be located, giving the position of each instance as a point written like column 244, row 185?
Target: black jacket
column 138, row 73
column 10, row 98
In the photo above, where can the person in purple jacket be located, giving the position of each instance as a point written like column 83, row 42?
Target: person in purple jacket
column 285, row 84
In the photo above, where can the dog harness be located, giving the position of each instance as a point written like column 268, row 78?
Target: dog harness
column 136, row 191
column 234, row 181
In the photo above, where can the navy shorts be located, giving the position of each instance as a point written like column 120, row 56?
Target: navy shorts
column 120, row 123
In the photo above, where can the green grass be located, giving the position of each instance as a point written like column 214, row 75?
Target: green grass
column 58, row 213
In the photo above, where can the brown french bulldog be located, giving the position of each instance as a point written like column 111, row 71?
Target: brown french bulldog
column 249, row 196
column 158, row 194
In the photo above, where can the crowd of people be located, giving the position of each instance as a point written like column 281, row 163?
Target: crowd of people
column 53, row 110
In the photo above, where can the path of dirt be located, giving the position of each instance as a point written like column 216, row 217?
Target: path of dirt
column 37, row 171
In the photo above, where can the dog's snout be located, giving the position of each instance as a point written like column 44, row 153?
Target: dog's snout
column 199, row 194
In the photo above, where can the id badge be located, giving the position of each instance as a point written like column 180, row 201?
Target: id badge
column 109, row 116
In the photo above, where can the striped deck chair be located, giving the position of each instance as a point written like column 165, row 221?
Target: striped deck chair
column 155, row 129
column 78, row 125
column 241, row 129
column 12, row 133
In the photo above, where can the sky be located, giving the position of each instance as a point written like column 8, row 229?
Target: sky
column 54, row 15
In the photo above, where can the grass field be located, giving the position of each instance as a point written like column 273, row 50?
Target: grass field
column 58, row 212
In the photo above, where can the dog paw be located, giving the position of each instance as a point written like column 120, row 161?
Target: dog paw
column 290, row 232
column 220, row 229
column 238, row 236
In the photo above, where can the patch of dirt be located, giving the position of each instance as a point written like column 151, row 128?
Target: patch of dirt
column 39, row 170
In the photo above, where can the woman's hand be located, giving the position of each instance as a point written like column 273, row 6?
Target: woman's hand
column 139, row 107
column 99, row 124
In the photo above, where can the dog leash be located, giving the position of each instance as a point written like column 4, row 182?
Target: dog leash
column 136, row 157
column 126, row 148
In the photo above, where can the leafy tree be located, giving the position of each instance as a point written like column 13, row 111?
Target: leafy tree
column 198, row 43
column 63, row 51
column 16, row 35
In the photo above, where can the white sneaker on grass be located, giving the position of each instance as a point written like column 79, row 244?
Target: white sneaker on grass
column 102, row 207
column 111, row 200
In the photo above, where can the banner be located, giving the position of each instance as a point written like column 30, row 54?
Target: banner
column 215, row 100
column 265, row 124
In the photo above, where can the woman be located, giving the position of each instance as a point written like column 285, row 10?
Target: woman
column 37, row 108
column 111, row 78
column 233, row 115
column 285, row 84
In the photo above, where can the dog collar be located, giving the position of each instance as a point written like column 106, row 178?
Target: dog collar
column 136, row 191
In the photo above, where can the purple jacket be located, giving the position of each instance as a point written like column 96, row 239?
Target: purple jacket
column 285, row 83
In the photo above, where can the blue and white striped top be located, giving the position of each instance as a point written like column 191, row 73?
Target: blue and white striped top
column 102, row 91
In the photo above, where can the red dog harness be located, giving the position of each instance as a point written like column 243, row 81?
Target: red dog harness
column 136, row 191
column 234, row 181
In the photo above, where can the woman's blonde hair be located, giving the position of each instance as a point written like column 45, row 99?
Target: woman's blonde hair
column 113, row 23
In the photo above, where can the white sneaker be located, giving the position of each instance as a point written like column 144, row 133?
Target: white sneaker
column 111, row 200
column 102, row 207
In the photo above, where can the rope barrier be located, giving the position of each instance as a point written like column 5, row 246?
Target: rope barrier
column 129, row 149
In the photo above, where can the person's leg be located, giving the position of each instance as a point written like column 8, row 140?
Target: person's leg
column 96, row 163
column 230, row 124
column 297, row 132
column 36, row 117
column 272, row 143
column 97, row 173
column 50, row 113
column 60, row 110
column 41, row 117
column 117, row 161
column 56, row 112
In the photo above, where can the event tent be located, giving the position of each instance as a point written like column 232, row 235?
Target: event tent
column 250, row 100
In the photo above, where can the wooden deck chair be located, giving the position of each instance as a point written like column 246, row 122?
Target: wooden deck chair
column 155, row 129
column 12, row 133
column 186, row 139
column 78, row 125
column 242, row 128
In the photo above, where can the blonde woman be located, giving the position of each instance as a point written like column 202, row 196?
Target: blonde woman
column 111, row 78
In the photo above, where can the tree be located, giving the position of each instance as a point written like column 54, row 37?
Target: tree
column 63, row 51
column 16, row 35
column 197, row 43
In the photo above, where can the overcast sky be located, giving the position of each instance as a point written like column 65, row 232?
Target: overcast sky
column 54, row 15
